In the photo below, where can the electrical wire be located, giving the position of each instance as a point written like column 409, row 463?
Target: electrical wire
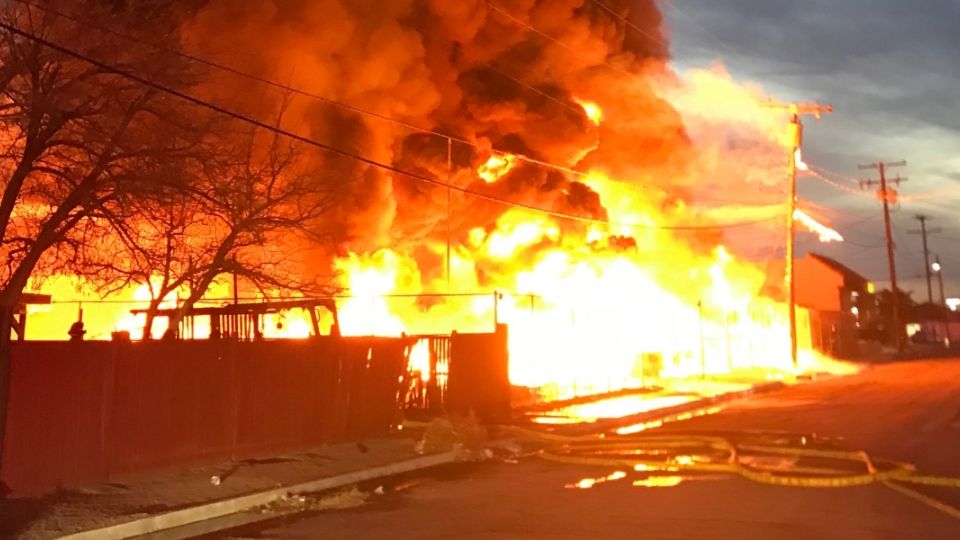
column 506, row 15
column 343, row 153
column 876, row 245
column 825, row 171
column 901, row 247
column 922, row 199
column 673, row 5
column 815, row 174
column 930, row 194
column 538, row 91
column 260, row 299
column 871, row 217
column 299, row 91
column 630, row 24
column 345, row 106
column 903, row 198
column 855, row 226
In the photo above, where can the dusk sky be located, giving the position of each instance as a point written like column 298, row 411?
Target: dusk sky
column 891, row 70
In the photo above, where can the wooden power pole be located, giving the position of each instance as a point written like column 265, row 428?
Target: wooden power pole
column 887, row 196
column 924, row 231
column 796, row 128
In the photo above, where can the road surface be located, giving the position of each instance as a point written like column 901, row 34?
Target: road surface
column 906, row 411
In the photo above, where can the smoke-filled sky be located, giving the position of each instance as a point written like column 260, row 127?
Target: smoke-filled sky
column 890, row 69
column 887, row 67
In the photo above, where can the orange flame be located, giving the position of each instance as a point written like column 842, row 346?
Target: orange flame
column 599, row 307
column 592, row 110
column 495, row 167
column 826, row 234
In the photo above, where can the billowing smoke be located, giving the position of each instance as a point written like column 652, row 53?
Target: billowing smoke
column 481, row 72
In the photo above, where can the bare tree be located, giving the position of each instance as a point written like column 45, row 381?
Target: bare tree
column 77, row 141
column 155, row 247
column 259, row 207
column 243, row 211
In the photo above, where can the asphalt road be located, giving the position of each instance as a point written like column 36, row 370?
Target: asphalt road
column 908, row 412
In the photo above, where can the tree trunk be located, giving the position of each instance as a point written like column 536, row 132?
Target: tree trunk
column 6, row 357
column 174, row 329
column 150, row 317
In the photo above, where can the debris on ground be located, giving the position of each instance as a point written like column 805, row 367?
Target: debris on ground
column 351, row 497
column 508, row 450
column 463, row 434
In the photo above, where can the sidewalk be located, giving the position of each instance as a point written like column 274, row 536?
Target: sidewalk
column 149, row 496
column 159, row 501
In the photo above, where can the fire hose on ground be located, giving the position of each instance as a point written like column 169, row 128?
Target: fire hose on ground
column 775, row 459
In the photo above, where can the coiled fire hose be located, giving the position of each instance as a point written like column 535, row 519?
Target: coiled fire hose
column 772, row 458
column 768, row 458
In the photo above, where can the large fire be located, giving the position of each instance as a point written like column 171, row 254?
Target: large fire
column 601, row 238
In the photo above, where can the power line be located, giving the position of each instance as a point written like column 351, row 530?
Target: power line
column 930, row 194
column 343, row 153
column 936, row 206
column 251, row 299
column 820, row 173
column 352, row 108
column 345, row 106
column 854, row 224
column 711, row 35
column 311, row 95
column 531, row 87
column 823, row 170
column 235, row 71
column 877, row 245
column 837, row 185
column 503, row 13
column 630, row 23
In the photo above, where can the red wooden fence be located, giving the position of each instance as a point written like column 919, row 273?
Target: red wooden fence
column 94, row 411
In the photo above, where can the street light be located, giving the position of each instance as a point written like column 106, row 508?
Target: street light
column 938, row 269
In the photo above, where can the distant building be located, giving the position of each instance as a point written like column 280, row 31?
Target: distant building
column 840, row 301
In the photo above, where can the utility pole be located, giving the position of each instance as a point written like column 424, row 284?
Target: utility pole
column 887, row 196
column 449, row 190
column 926, row 253
column 796, row 163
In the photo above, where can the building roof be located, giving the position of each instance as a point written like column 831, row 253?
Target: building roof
column 851, row 279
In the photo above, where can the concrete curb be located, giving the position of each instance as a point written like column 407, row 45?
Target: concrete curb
column 203, row 512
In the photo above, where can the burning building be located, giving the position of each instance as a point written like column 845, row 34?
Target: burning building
column 536, row 163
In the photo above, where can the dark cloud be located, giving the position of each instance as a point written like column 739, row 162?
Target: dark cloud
column 890, row 68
